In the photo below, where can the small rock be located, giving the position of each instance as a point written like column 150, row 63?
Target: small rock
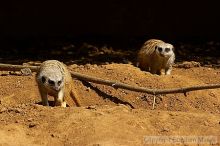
column 88, row 89
column 81, row 66
column 96, row 144
column 165, row 129
column 123, row 92
column 30, row 119
column 88, row 66
column 95, row 65
column 18, row 111
column 31, row 125
column 26, row 72
column 91, row 107
column 206, row 123
column 171, row 114
column 165, row 105
column 73, row 66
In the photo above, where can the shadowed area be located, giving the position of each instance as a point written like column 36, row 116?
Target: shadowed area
column 107, row 31
column 166, row 19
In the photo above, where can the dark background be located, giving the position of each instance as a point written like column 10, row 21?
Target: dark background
column 122, row 22
column 131, row 18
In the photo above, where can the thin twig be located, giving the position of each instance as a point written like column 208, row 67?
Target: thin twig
column 154, row 102
column 116, row 84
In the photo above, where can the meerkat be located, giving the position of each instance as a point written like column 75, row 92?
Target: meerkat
column 54, row 79
column 156, row 55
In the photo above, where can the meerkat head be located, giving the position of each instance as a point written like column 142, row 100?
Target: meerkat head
column 164, row 50
column 52, row 81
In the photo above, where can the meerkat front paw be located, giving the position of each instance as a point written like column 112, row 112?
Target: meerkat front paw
column 63, row 104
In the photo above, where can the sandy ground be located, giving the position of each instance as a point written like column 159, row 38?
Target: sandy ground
column 111, row 116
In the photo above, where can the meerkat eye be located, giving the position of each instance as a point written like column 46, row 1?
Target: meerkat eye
column 160, row 49
column 43, row 79
column 59, row 82
column 51, row 82
column 167, row 49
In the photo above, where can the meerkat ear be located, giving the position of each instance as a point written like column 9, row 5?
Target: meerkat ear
column 173, row 48
column 43, row 79
column 155, row 48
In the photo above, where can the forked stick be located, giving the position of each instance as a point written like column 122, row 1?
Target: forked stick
column 142, row 89
column 115, row 84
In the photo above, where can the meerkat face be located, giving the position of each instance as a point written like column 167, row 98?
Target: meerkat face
column 52, row 82
column 164, row 50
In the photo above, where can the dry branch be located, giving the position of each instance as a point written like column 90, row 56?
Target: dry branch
column 10, row 67
column 142, row 89
column 116, row 84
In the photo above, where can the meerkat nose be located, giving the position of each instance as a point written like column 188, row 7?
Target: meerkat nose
column 162, row 55
column 57, row 88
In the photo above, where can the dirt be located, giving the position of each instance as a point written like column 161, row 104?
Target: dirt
column 111, row 116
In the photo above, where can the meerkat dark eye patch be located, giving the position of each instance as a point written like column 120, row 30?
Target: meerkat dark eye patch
column 43, row 79
column 51, row 82
column 160, row 49
column 59, row 82
column 167, row 49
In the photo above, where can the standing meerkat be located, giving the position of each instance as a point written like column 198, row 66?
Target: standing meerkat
column 156, row 55
column 54, row 79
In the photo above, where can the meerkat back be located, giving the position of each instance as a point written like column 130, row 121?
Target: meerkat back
column 70, row 91
column 145, row 54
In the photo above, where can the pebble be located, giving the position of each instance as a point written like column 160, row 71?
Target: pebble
column 31, row 125
column 91, row 107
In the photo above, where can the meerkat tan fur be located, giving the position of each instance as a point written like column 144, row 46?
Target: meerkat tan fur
column 156, row 55
column 54, row 79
